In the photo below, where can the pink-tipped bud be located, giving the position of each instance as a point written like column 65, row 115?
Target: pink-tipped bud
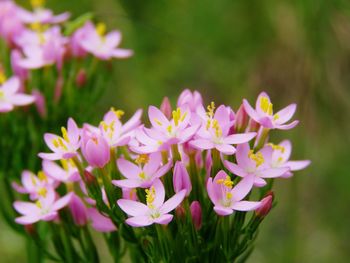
column 95, row 149
column 242, row 119
column 180, row 212
column 165, row 107
column 40, row 103
column 80, row 80
column 266, row 205
column 181, row 178
column 78, row 211
column 196, row 213
column 58, row 89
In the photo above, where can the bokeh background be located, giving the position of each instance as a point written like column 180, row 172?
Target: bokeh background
column 297, row 51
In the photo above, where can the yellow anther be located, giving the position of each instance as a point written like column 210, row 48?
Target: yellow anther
column 229, row 195
column 170, row 128
column 226, row 182
column 2, row 79
column 42, row 192
column 159, row 143
column 258, row 158
column 65, row 134
column 104, row 125
column 55, row 143
column 118, row 113
column 41, row 37
column 277, row 147
column 37, row 3
column 266, row 106
column 276, row 117
column 211, row 109
column 183, row 117
column 33, row 179
column 150, row 196
column 142, row 159
column 142, row 175
column 177, row 116
column 280, row 159
column 101, row 29
column 158, row 122
column 208, row 124
column 42, row 176
column 38, row 204
column 2, row 94
column 217, row 128
column 64, row 164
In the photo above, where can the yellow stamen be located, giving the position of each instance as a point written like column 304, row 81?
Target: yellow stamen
column 280, row 159
column 276, row 117
column 42, row 176
column 229, row 195
column 64, row 164
column 37, row 3
column 101, row 29
column 258, row 158
column 2, row 79
column 177, row 116
column 266, row 106
column 277, row 147
column 150, row 196
column 65, row 134
column 158, row 122
column 38, row 204
column 2, row 95
column 142, row 159
column 211, row 109
column 142, row 175
column 33, row 179
column 118, row 113
column 42, row 192
column 217, row 128
column 227, row 181
column 170, row 128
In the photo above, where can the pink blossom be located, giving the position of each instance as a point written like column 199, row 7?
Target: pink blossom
column 263, row 113
column 35, row 186
column 9, row 96
column 10, row 24
column 104, row 46
column 64, row 147
column 181, row 178
column 196, row 214
column 214, row 132
column 40, row 103
column 141, row 176
column 100, row 222
column 67, row 173
column 226, row 198
column 41, row 16
column 256, row 164
column 19, row 71
column 164, row 132
column 280, row 158
column 78, row 210
column 45, row 209
column 190, row 99
column 156, row 211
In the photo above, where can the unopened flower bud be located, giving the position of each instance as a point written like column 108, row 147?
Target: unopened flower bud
column 196, row 213
column 242, row 119
column 58, row 89
column 253, row 126
column 181, row 178
column 40, row 103
column 78, row 211
column 266, row 205
column 165, row 107
column 81, row 78
column 95, row 150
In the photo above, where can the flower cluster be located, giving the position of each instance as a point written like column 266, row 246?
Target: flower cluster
column 40, row 40
column 116, row 175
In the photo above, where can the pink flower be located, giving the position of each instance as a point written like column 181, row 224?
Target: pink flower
column 280, row 158
column 45, row 209
column 266, row 205
column 156, row 211
column 181, row 178
column 164, row 132
column 196, row 214
column 257, row 164
column 41, row 16
column 227, row 198
column 78, row 36
column 263, row 113
column 138, row 176
column 10, row 24
column 78, row 210
column 19, row 71
column 214, row 132
column 193, row 100
column 40, row 103
column 100, row 222
column 95, row 149
column 36, row 186
column 69, row 172
column 9, row 96
column 104, row 46
column 165, row 107
column 64, row 147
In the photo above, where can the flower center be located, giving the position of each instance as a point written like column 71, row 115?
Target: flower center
column 258, row 158
column 266, row 106
column 226, row 182
column 150, row 196
column 142, row 159
column 178, row 116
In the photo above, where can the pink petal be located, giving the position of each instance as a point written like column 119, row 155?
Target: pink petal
column 100, row 222
column 222, row 115
column 157, row 118
column 286, row 113
column 27, row 220
column 164, row 219
column 239, row 138
column 22, row 99
column 128, row 169
column 133, row 122
column 73, row 130
column 133, row 208
column 243, row 188
column 246, row 205
column 12, row 85
column 127, row 183
column 6, row 107
column 258, row 103
column 113, row 38
column 298, row 165
column 54, row 170
column 288, row 126
column 139, row 221
column 154, row 162
column 225, row 149
column 173, row 202
column 250, row 111
column 122, row 53
column 273, row 172
column 50, row 156
column 164, row 169
column 159, row 193
column 202, row 144
column 62, row 202
column 235, row 169
column 259, row 182
column 223, row 211
column 26, row 208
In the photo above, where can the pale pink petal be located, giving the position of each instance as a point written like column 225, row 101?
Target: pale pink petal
column 152, row 165
column 239, row 138
column 164, row 169
column 259, row 182
column 100, row 222
column 11, row 86
column 273, row 172
column 127, row 183
column 225, row 149
column 27, row 220
column 246, row 205
column 50, row 156
column 62, row 202
column 164, row 219
column 133, row 122
column 258, row 103
column 128, row 169
column 132, row 208
column 223, row 211
column 243, row 188
column 285, row 154
column 73, row 130
column 298, row 165
column 235, row 169
column 250, row 111
column 22, row 99
column 122, row 53
column 159, row 193
column 26, row 208
column 288, row 126
column 113, row 38
column 53, row 170
column 286, row 114
column 202, row 144
column 173, row 202
column 157, row 118
column 139, row 221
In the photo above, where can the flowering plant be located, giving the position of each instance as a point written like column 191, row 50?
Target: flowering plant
column 195, row 185
column 47, row 64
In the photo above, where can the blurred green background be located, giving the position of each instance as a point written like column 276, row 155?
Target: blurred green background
column 297, row 51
